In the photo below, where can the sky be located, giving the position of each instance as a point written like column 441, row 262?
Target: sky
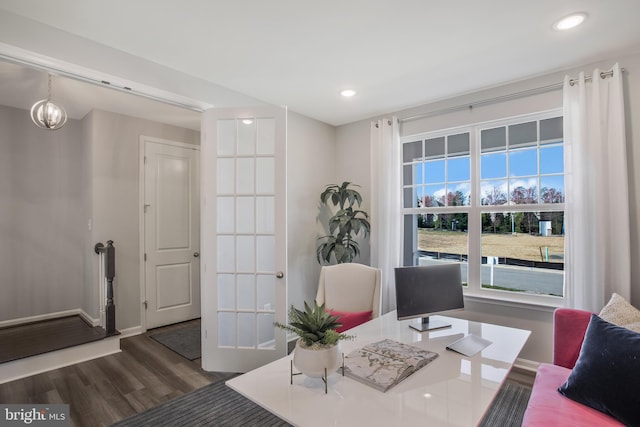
column 504, row 170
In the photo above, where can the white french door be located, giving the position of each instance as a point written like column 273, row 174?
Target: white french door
column 243, row 169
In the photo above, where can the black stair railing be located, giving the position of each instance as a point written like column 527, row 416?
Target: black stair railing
column 109, row 253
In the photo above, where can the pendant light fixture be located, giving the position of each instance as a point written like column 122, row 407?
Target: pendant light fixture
column 47, row 115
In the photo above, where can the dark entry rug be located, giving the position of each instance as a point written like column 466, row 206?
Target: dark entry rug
column 218, row 405
column 184, row 341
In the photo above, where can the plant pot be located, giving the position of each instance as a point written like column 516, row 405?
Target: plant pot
column 312, row 362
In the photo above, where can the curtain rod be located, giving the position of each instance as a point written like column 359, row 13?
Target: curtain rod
column 515, row 95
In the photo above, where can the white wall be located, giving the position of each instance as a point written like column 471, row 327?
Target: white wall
column 311, row 164
column 354, row 138
column 41, row 216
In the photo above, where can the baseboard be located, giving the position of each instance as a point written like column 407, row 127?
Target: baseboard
column 40, row 317
column 129, row 332
column 29, row 366
column 526, row 365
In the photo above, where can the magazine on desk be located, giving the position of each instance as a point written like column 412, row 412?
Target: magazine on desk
column 385, row 363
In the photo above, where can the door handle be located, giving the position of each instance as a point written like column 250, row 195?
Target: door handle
column 196, row 254
column 279, row 274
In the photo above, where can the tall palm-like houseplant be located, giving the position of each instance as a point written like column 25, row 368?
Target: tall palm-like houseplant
column 340, row 246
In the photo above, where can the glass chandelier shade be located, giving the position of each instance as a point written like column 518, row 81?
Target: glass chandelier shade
column 47, row 115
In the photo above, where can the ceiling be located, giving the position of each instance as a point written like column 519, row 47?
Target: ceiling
column 396, row 54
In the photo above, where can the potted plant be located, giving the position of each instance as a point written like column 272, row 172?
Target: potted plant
column 340, row 245
column 318, row 345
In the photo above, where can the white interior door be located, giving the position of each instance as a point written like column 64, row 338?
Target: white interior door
column 171, row 232
column 243, row 237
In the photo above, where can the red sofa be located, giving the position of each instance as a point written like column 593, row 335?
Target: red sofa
column 547, row 407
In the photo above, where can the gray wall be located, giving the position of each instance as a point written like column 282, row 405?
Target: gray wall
column 115, row 164
column 354, row 138
column 42, row 216
column 311, row 164
column 54, row 186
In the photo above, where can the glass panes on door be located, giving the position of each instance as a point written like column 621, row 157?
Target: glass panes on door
column 245, row 233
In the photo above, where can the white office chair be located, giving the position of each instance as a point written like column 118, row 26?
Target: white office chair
column 350, row 287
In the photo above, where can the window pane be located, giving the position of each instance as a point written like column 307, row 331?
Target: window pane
column 436, row 239
column 459, row 194
column 523, row 162
column 523, row 134
column 411, row 151
column 511, row 241
column 523, row 191
column 551, row 129
column 552, row 189
column 458, row 169
column 434, row 196
column 551, row 159
column 266, row 136
column 493, row 192
column 458, row 144
column 493, row 139
column 493, row 166
column 412, row 174
column 411, row 196
column 434, row 147
column 246, row 137
column 434, row 171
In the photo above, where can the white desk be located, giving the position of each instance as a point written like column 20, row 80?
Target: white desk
column 453, row 390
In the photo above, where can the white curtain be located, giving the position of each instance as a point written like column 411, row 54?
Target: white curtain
column 386, row 209
column 597, row 244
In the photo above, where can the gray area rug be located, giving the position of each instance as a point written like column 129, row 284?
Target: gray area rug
column 213, row 405
column 218, row 405
column 508, row 407
column 184, row 341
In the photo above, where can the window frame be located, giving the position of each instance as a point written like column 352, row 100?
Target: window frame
column 475, row 209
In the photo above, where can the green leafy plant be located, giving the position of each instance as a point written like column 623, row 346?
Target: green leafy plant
column 315, row 326
column 347, row 223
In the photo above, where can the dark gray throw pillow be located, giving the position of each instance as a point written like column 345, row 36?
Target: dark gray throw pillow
column 606, row 376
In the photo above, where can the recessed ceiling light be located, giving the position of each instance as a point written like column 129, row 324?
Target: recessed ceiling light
column 570, row 21
column 247, row 121
column 347, row 93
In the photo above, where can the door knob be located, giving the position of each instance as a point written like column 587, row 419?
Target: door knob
column 196, row 254
column 279, row 274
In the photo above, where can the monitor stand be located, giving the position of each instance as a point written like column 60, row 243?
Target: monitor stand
column 425, row 324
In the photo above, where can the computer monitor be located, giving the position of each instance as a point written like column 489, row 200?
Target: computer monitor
column 425, row 290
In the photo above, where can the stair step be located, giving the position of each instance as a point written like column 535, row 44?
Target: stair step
column 30, row 339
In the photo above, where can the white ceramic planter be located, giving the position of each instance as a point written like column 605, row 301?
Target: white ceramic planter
column 313, row 362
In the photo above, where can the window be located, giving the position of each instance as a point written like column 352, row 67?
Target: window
column 491, row 197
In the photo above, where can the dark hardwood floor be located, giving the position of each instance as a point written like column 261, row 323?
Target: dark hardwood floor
column 102, row 391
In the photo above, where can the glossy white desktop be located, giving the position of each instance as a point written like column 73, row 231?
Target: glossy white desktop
column 453, row 390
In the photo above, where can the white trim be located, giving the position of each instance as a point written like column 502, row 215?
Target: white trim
column 141, row 171
column 48, row 316
column 543, row 303
column 29, row 366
